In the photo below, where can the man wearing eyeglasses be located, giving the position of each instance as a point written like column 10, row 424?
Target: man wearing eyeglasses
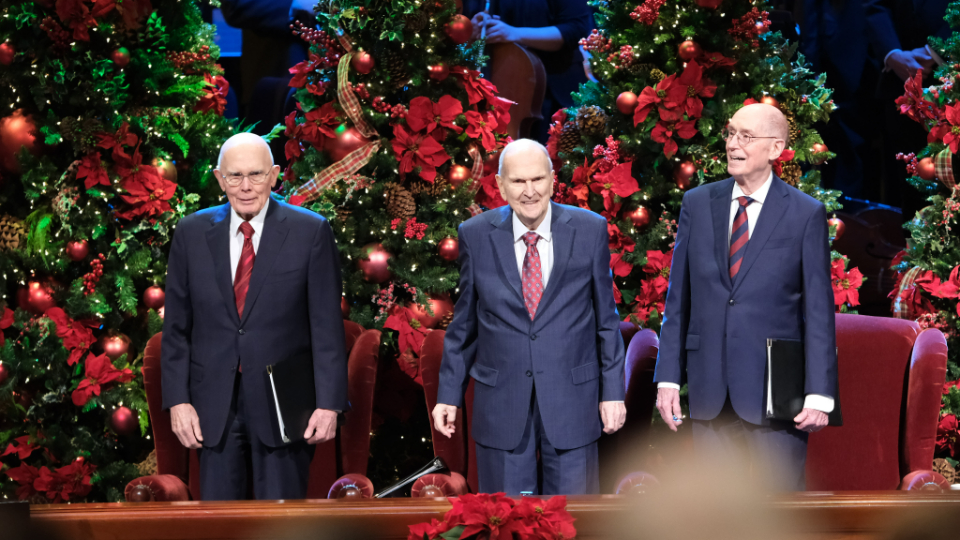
column 249, row 284
column 751, row 262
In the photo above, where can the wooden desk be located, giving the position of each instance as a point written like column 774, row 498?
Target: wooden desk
column 851, row 515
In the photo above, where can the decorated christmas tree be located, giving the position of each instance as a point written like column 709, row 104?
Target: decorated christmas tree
column 114, row 123
column 928, row 285
column 393, row 125
column 669, row 75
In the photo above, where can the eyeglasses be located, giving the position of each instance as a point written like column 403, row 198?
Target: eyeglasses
column 234, row 180
column 743, row 140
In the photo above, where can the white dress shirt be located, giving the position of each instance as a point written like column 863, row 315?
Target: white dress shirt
column 236, row 243
column 544, row 244
column 812, row 401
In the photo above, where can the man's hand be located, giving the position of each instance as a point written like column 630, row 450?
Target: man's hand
column 322, row 426
column 811, row 420
column 906, row 63
column 668, row 403
column 444, row 418
column 613, row 414
column 186, row 425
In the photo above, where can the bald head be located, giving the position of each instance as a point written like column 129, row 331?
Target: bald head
column 768, row 119
column 524, row 149
column 246, row 143
column 526, row 180
column 246, row 173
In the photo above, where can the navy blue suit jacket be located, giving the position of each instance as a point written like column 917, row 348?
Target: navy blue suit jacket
column 572, row 350
column 715, row 331
column 292, row 306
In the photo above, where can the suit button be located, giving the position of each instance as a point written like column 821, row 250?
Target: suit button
column 731, row 302
column 529, row 373
column 533, row 337
column 242, row 332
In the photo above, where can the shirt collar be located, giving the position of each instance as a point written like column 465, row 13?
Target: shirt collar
column 519, row 229
column 256, row 221
column 759, row 195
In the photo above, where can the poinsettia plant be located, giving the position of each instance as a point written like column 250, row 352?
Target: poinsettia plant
column 493, row 516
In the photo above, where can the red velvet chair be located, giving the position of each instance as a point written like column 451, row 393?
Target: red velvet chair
column 177, row 477
column 891, row 379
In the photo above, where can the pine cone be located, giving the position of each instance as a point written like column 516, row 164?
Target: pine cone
column 657, row 75
column 791, row 173
column 148, row 467
column 417, row 21
column 445, row 321
column 394, row 64
column 400, row 203
column 569, row 138
column 343, row 214
column 11, row 233
column 591, row 120
column 942, row 466
column 794, row 128
column 435, row 190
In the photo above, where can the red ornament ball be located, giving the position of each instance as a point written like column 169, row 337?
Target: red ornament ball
column 124, row 422
column 154, row 297
column 115, row 345
column 77, row 250
column 770, row 100
column 926, row 169
column 639, row 217
column 458, row 175
column 449, row 249
column 4, row 373
column 120, row 57
column 689, row 50
column 7, row 53
column 627, row 102
column 37, row 296
column 16, row 131
column 363, row 62
column 374, row 264
column 709, row 4
column 166, row 168
column 840, row 226
column 344, row 308
column 459, row 29
column 441, row 306
column 348, row 139
column 685, row 171
column 819, row 148
column 439, row 72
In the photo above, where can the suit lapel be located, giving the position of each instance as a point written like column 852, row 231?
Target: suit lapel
column 218, row 240
column 563, row 235
column 772, row 211
column 275, row 231
column 720, row 208
column 502, row 239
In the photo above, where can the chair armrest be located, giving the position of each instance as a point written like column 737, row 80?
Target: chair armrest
column 156, row 487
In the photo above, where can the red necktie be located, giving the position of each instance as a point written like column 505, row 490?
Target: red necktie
column 739, row 237
column 532, row 287
column 241, row 282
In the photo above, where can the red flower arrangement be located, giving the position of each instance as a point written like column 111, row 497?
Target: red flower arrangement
column 99, row 371
column 948, row 436
column 845, row 284
column 495, row 516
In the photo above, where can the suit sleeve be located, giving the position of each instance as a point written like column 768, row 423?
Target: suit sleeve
column 177, row 326
column 672, row 358
column 609, row 340
column 820, row 337
column 460, row 342
column 324, row 291
column 881, row 32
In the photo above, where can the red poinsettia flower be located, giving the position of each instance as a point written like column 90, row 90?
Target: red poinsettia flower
column 664, row 131
column 845, row 284
column 74, row 334
column 913, row 104
column 948, row 133
column 99, row 373
column 689, row 88
column 501, row 110
column 76, row 15
column 427, row 116
column 6, row 321
column 293, row 148
column 91, row 169
column 414, row 150
column 786, row 155
column 488, row 196
column 929, row 282
column 116, row 141
column 619, row 241
column 711, row 60
column 215, row 95
column 547, row 519
column 302, row 70
column 146, row 191
column 617, row 182
column 648, row 300
column 658, row 264
column 22, row 447
column 948, row 436
column 477, row 87
column 320, row 124
column 71, row 481
column 481, row 125
column 659, row 96
column 946, row 389
column 404, row 321
column 488, row 515
column 910, row 301
column 25, row 475
column 556, row 130
column 427, row 531
column 618, row 266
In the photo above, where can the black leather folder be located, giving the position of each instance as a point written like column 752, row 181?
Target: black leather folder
column 294, row 394
column 786, row 374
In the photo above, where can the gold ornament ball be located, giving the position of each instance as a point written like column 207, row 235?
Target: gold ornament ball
column 627, row 102
column 926, row 169
column 166, row 168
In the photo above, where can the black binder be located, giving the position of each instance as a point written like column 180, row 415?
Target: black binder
column 786, row 374
column 294, row 394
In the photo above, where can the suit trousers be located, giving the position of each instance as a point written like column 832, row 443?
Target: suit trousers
column 226, row 468
column 560, row 472
column 774, row 455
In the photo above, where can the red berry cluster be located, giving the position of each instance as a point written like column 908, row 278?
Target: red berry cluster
column 56, row 33
column 750, row 26
column 398, row 111
column 414, row 229
column 911, row 161
column 596, row 42
column 361, row 90
column 187, row 60
column 330, row 45
column 384, row 300
column 91, row 278
column 380, row 105
column 648, row 12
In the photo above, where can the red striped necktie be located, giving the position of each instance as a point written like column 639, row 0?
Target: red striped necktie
column 532, row 282
column 740, row 236
column 241, row 282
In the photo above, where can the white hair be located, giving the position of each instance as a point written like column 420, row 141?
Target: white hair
column 520, row 145
column 241, row 139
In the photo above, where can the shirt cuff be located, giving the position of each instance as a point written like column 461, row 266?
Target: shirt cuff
column 885, row 66
column 675, row 386
column 818, row 402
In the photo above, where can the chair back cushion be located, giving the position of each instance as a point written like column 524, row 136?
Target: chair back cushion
column 928, row 372
column 362, row 377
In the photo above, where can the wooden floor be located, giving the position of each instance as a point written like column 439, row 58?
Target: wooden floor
column 860, row 515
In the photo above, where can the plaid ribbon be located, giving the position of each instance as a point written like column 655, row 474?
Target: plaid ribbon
column 348, row 100
column 943, row 164
column 343, row 38
column 353, row 162
column 901, row 309
column 477, row 171
column 475, row 209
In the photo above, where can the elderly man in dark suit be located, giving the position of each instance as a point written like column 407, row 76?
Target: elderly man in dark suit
column 536, row 326
column 249, row 284
column 751, row 262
